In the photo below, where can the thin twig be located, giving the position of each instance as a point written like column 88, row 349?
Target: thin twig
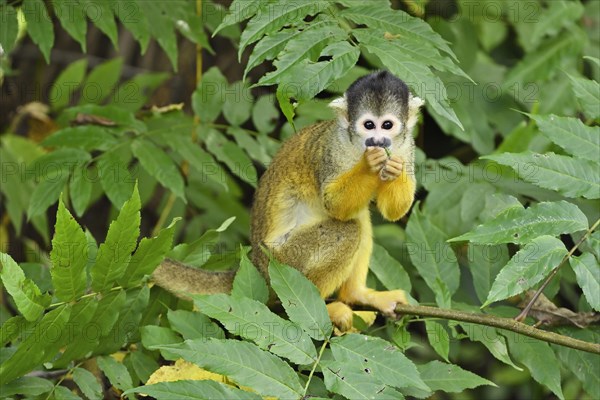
column 523, row 314
column 314, row 367
column 502, row 323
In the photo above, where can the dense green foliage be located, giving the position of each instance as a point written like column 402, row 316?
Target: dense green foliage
column 513, row 189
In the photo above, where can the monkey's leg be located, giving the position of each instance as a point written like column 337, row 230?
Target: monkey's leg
column 323, row 252
column 354, row 290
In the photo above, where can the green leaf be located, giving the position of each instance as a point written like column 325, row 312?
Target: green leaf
column 199, row 251
column 159, row 165
column 541, row 64
column 124, row 120
column 115, row 179
column 253, row 320
column 126, row 329
column 69, row 256
column 355, row 383
column 274, row 15
column 159, row 336
column 116, row 372
column 39, row 26
column 46, row 193
column 243, row 362
column 587, row 272
column 384, row 360
column 269, row 47
column 26, row 385
column 194, row 390
column 450, row 378
column 78, row 333
column 87, row 383
column 301, row 300
column 588, row 94
column 80, row 189
column 248, row 282
column 306, row 79
column 9, row 29
column 72, row 18
column 148, row 256
column 571, row 134
column 416, row 50
column 285, row 104
column 432, row 256
column 61, row 92
column 162, row 27
column 255, row 150
column 63, row 393
column 134, row 20
column 13, row 328
column 142, row 364
column 114, row 254
column 38, row 347
column 308, row 44
column 410, row 28
column 522, row 225
column 265, row 114
column 134, row 93
column 101, row 15
column 101, row 81
column 583, row 365
column 438, row 338
column 53, row 170
column 548, row 22
column 485, row 262
column 199, row 159
column 208, row 98
column 27, row 296
column 539, row 359
column 527, row 267
column 416, row 75
column 232, row 155
column 194, row 325
column 237, row 108
column 388, row 270
column 104, row 313
column 490, row 338
column 239, row 10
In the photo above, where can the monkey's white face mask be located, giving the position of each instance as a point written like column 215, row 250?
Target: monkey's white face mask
column 379, row 130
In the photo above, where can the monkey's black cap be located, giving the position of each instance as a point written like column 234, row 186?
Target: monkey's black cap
column 380, row 93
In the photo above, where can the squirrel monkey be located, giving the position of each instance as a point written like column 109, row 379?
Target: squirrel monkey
column 311, row 208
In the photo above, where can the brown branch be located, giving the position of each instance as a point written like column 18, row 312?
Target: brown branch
column 523, row 314
column 502, row 323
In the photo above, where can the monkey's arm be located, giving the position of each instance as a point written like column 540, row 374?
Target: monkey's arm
column 350, row 192
column 394, row 197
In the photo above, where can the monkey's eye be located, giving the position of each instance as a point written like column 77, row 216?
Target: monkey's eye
column 387, row 125
column 369, row 124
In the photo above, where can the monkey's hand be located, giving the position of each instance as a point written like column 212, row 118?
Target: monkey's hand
column 392, row 168
column 376, row 158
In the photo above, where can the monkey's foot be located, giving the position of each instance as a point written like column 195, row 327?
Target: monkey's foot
column 385, row 301
column 340, row 315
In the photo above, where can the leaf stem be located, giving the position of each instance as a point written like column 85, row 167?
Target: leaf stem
column 500, row 322
column 312, row 371
column 523, row 314
column 85, row 296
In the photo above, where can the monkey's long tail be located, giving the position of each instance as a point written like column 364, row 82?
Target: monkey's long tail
column 180, row 279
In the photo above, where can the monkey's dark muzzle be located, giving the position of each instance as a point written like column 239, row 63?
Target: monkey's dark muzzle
column 378, row 142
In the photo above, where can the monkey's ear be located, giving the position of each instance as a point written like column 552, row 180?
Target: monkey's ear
column 414, row 104
column 340, row 106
